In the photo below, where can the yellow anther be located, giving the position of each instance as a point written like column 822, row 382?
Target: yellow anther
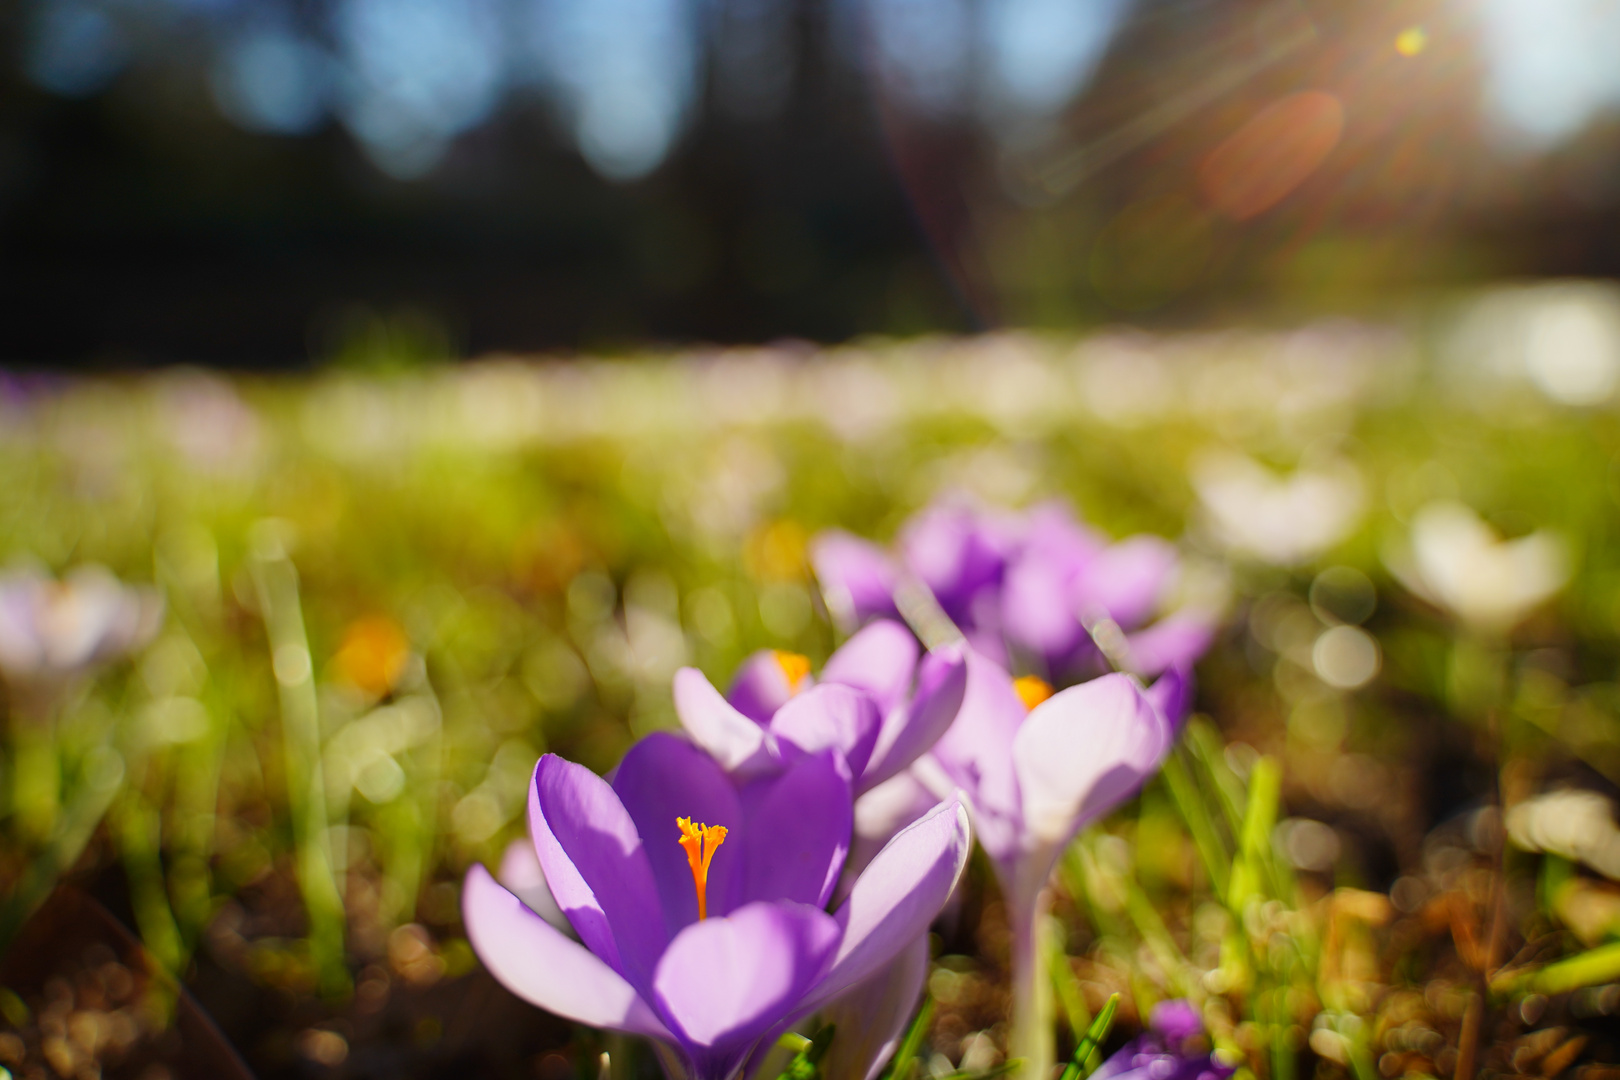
column 700, row 842
column 795, row 668
column 1032, row 691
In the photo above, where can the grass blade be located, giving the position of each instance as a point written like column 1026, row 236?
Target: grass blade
column 1195, row 812
column 276, row 582
column 1080, row 1065
column 806, row 1064
column 905, row 1058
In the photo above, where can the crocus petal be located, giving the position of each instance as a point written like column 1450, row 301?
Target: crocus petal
column 664, row 777
column 536, row 962
column 908, row 734
column 956, row 551
column 1177, row 640
column 1084, row 751
column 732, row 739
column 521, row 875
column 880, row 660
column 880, row 814
column 975, row 754
column 1038, row 611
column 1050, row 528
column 796, row 831
column 760, row 687
column 873, row 1015
column 1172, row 695
column 857, row 578
column 1127, row 579
column 22, row 650
column 596, row 866
column 893, row 902
column 724, row 981
column 1177, row 1020
column 830, row 716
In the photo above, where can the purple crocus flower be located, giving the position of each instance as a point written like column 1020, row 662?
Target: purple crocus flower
column 1036, row 768
column 1171, row 1049
column 875, row 703
column 698, row 897
column 1038, row 590
column 1069, row 595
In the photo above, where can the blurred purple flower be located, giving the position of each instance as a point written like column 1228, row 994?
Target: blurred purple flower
column 1037, row 589
column 713, row 993
column 875, row 704
column 1171, row 1049
column 1035, row 768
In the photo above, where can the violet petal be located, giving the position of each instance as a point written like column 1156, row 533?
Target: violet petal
column 898, row 895
column 724, row 981
column 664, row 777
column 1128, row 579
column 975, row 754
column 872, row 1016
column 760, row 687
column 908, row 734
column 732, row 739
column 1081, row 753
column 796, row 831
column 1177, row 640
column 585, row 838
column 1172, row 695
column 536, row 962
column 880, row 660
column 830, row 716
column 857, row 577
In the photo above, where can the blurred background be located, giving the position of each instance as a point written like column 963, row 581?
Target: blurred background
column 394, row 390
column 254, row 183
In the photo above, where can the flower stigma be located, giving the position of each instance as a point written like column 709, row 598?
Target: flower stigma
column 795, row 668
column 700, row 842
column 1031, row 690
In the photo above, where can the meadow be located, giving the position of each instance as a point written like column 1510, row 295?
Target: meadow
column 308, row 635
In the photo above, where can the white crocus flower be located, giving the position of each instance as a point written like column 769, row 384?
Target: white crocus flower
column 1457, row 562
column 53, row 630
column 1283, row 520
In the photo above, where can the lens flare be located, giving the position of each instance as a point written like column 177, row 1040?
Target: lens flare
column 1262, row 162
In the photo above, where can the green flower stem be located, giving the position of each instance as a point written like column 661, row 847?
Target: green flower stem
column 1032, row 993
column 276, row 583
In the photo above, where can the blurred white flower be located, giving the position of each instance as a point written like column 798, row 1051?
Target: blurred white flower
column 1457, row 562
column 52, row 630
column 1578, row 825
column 1278, row 519
column 207, row 421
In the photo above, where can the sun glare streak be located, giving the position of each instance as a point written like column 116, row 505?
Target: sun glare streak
column 1067, row 172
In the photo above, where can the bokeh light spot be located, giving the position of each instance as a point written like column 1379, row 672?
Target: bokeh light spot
column 1572, row 350
column 271, row 81
column 1411, row 41
column 1043, row 51
column 73, row 49
column 623, row 74
column 1262, row 162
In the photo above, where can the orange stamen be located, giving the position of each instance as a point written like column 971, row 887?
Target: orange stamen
column 700, row 842
column 1032, row 691
column 795, row 668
